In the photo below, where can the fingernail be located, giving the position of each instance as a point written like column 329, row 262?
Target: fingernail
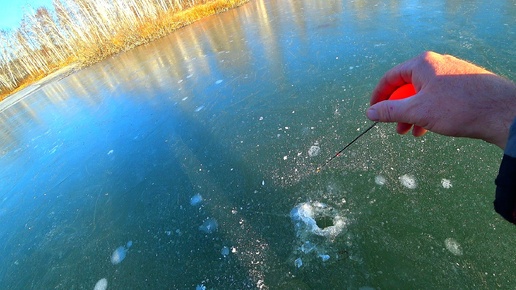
column 372, row 114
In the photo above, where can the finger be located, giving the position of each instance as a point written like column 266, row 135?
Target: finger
column 403, row 128
column 390, row 111
column 393, row 79
column 418, row 131
column 386, row 86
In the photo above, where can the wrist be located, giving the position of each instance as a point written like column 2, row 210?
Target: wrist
column 510, row 147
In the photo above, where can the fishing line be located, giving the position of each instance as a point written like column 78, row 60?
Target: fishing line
column 402, row 92
column 345, row 147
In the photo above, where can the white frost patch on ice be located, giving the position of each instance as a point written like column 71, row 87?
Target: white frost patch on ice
column 380, row 180
column 408, row 181
column 314, row 150
column 209, row 226
column 218, row 82
column 119, row 254
column 453, row 246
column 446, row 183
column 199, row 108
column 101, row 284
column 196, row 199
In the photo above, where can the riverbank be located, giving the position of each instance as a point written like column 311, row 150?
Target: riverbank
column 109, row 30
column 29, row 88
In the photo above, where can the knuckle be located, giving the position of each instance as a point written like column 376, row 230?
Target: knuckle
column 389, row 113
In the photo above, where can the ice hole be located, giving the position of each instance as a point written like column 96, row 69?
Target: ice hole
column 324, row 222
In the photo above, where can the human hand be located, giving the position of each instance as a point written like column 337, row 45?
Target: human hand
column 454, row 98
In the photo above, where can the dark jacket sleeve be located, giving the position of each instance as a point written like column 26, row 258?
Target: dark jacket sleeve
column 505, row 200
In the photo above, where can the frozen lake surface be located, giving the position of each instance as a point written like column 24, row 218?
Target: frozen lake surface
column 200, row 149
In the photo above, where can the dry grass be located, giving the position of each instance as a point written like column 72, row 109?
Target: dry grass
column 83, row 32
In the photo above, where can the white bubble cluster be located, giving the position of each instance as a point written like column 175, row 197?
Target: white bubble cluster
column 101, row 284
column 304, row 216
column 196, row 199
column 453, row 246
column 314, row 150
column 315, row 242
column 224, row 252
column 298, row 263
column 209, row 226
column 408, row 181
column 380, row 180
column 446, row 183
column 119, row 254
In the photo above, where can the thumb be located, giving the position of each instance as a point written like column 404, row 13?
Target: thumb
column 388, row 111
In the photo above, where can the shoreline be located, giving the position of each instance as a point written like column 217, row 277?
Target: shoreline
column 27, row 90
column 120, row 42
